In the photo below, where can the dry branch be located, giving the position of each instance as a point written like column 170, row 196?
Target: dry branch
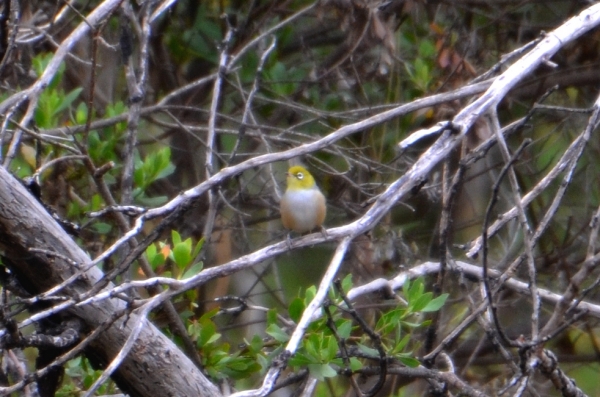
column 149, row 367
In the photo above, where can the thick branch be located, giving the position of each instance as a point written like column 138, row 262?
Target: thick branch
column 148, row 369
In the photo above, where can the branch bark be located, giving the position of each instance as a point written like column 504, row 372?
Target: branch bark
column 26, row 232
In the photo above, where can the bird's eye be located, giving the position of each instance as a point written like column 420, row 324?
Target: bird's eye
column 300, row 175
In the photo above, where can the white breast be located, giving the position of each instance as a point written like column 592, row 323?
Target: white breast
column 305, row 207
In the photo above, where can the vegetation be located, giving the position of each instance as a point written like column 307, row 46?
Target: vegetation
column 144, row 150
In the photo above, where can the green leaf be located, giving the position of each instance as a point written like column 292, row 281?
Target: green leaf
column 155, row 166
column 415, row 290
column 165, row 171
column 115, row 109
column 193, row 270
column 344, row 329
column 409, row 361
column 182, row 253
column 355, row 364
column 40, row 63
column 256, row 344
column 390, row 320
column 435, row 304
column 175, row 237
column 151, row 251
column 186, row 314
column 310, row 294
column 296, row 309
column 331, row 349
column 312, row 345
column 102, row 227
column 150, row 201
column 208, row 333
column 427, row 48
column 411, row 324
column 422, row 301
column 367, row 350
column 300, row 360
column 277, row 333
column 399, row 347
column 321, row 371
column 263, row 362
column 198, row 247
column 213, row 338
column 81, row 113
column 271, row 316
column 155, row 258
column 422, row 73
column 207, row 317
column 347, row 283
column 276, row 75
column 67, row 100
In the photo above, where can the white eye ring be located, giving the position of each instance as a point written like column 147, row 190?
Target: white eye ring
column 300, row 175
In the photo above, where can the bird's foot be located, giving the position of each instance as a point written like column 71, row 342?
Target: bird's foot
column 324, row 231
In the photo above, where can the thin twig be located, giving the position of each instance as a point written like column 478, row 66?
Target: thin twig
column 484, row 257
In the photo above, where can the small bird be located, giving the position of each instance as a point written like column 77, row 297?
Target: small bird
column 302, row 206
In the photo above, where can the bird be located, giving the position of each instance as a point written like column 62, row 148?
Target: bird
column 302, row 205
